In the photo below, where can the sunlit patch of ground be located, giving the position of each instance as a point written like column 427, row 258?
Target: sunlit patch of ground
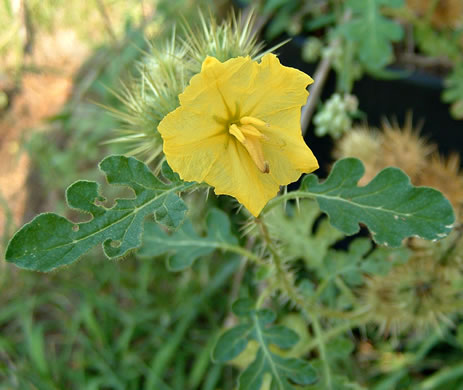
column 44, row 89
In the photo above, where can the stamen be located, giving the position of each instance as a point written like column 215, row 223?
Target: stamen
column 254, row 149
column 235, row 130
column 249, row 120
column 251, row 130
column 250, row 138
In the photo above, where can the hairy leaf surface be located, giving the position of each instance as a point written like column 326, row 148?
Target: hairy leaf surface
column 294, row 228
column 50, row 241
column 185, row 245
column 390, row 206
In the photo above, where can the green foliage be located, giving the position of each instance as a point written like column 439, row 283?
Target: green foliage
column 290, row 16
column 436, row 43
column 360, row 259
column 185, row 246
column 283, row 19
column 294, row 228
column 124, row 326
column 50, row 241
column 390, row 206
column 371, row 31
column 282, row 370
column 134, row 325
column 454, row 91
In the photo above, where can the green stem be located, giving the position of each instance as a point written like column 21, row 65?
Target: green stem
column 334, row 332
column 345, row 289
column 318, row 332
column 338, row 314
column 293, row 294
column 241, row 251
column 321, row 287
column 290, row 195
column 263, row 296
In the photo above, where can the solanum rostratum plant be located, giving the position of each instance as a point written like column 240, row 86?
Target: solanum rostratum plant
column 214, row 111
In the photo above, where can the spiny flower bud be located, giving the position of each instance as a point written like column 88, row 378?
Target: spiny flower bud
column 312, row 49
column 165, row 72
column 335, row 116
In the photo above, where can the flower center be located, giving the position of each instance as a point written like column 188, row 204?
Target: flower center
column 250, row 137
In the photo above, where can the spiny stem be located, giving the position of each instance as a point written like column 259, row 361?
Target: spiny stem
column 293, row 294
column 290, row 195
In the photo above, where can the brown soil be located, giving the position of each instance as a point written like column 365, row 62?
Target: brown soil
column 41, row 94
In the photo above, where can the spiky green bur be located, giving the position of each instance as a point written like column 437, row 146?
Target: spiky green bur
column 165, row 72
column 148, row 98
column 234, row 37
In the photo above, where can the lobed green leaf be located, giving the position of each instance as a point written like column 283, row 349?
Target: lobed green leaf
column 50, row 241
column 372, row 32
column 185, row 246
column 298, row 234
column 283, row 371
column 231, row 343
column 390, row 206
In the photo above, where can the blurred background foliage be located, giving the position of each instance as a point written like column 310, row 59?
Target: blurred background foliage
column 132, row 324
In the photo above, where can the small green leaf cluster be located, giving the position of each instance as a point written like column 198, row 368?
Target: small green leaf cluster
column 445, row 46
column 372, row 33
column 454, row 91
column 335, row 118
column 185, row 246
column 257, row 326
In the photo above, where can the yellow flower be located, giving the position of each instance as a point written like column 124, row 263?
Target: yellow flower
column 238, row 129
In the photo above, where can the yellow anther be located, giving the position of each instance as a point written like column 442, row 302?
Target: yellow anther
column 254, row 148
column 235, row 130
column 250, row 138
column 249, row 120
column 249, row 130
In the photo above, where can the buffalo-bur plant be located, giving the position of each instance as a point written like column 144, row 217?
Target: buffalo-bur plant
column 211, row 110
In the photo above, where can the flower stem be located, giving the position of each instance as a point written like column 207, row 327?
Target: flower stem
column 318, row 332
column 294, row 295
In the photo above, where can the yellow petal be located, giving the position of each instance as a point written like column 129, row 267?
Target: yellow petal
column 250, row 187
column 285, row 149
column 276, row 88
column 234, row 119
column 218, row 88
